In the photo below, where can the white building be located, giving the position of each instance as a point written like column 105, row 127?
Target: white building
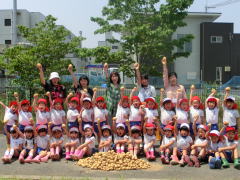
column 188, row 69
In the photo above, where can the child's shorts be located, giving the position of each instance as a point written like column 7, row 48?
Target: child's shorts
column 96, row 126
column 73, row 124
column 84, row 123
column 39, row 150
column 135, row 123
column 8, row 127
column 214, row 127
column 229, row 156
column 21, row 128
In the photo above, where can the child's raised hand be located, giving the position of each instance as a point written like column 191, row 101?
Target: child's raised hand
column 95, row 89
column 174, row 119
column 48, row 94
column 179, row 91
column 39, row 66
column 98, row 120
column 35, row 95
column 105, row 66
column 14, row 127
column 70, row 67
column 122, row 88
column 136, row 66
column 127, row 122
column 134, row 89
column 79, row 119
column 227, row 90
column 161, row 91
column 192, row 87
column 114, row 119
column 50, row 123
column 63, row 126
column 164, row 60
column 15, row 94
column 225, row 123
column 70, row 94
column 213, row 91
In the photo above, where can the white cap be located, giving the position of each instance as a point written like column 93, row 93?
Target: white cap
column 87, row 126
column 28, row 128
column 184, row 125
column 106, row 127
column 214, row 133
column 167, row 99
column 231, row 98
column 56, row 128
column 42, row 127
column 87, row 99
column 201, row 126
column 73, row 129
column 54, row 75
column 135, row 128
column 120, row 125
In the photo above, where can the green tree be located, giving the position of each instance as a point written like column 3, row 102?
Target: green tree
column 146, row 28
column 48, row 44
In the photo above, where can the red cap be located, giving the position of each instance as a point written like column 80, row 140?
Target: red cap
column 125, row 97
column 169, row 127
column 42, row 101
column 150, row 126
column 100, row 98
column 57, row 100
column 136, row 98
column 195, row 98
column 151, row 99
column 75, row 99
column 212, row 99
column 183, row 100
column 13, row 103
column 229, row 128
column 24, row 102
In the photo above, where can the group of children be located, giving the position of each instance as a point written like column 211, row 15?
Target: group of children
column 188, row 135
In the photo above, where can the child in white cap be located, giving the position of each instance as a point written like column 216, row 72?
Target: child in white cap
column 184, row 142
column 105, row 136
column 134, row 140
column 29, row 145
column 120, row 137
column 198, row 152
column 16, row 144
column 56, row 142
column 88, row 144
column 73, row 141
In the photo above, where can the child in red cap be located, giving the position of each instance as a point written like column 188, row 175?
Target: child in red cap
column 41, row 110
column 212, row 110
column 149, row 140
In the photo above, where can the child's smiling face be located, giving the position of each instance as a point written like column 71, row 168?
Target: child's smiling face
column 150, row 132
column 58, row 106
column 73, row 104
column 196, row 104
column 211, row 105
column 230, row 135
column 168, row 133
column 73, row 135
column 125, row 103
column 151, row 104
column 86, row 104
column 25, row 107
column 168, row 106
column 136, row 103
column 106, row 133
column 184, row 106
column 214, row 139
column 100, row 104
column 57, row 134
column 120, row 131
column 41, row 106
column 14, row 108
column 201, row 133
column 88, row 132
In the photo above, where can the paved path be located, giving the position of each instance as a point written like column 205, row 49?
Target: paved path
column 70, row 170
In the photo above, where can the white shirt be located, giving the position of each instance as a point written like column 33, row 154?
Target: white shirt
column 151, row 114
column 182, row 116
column 56, row 140
column 183, row 143
column 42, row 117
column 24, row 117
column 87, row 115
column 100, row 114
column 148, row 139
column 72, row 115
column 122, row 114
column 76, row 140
column 10, row 117
column 212, row 115
column 199, row 141
column 15, row 143
column 42, row 141
column 57, row 116
column 166, row 116
column 103, row 139
column 146, row 92
column 118, row 138
column 213, row 146
column 167, row 140
column 196, row 112
column 134, row 114
column 227, row 143
column 29, row 143
column 92, row 140
column 230, row 116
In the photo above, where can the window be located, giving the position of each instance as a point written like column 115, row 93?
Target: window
column 216, row 39
column 114, row 47
column 187, row 47
column 7, row 22
column 8, row 42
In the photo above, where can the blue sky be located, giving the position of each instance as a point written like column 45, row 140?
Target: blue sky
column 75, row 14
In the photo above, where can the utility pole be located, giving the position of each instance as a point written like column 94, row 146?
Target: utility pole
column 14, row 23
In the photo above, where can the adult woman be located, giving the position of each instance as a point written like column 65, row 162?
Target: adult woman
column 56, row 89
column 80, row 85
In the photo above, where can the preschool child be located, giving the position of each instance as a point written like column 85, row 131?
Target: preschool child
column 16, row 144
column 72, row 112
column 134, row 140
column 120, row 136
column 212, row 110
column 149, row 140
column 41, row 110
column 72, row 142
column 105, row 136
